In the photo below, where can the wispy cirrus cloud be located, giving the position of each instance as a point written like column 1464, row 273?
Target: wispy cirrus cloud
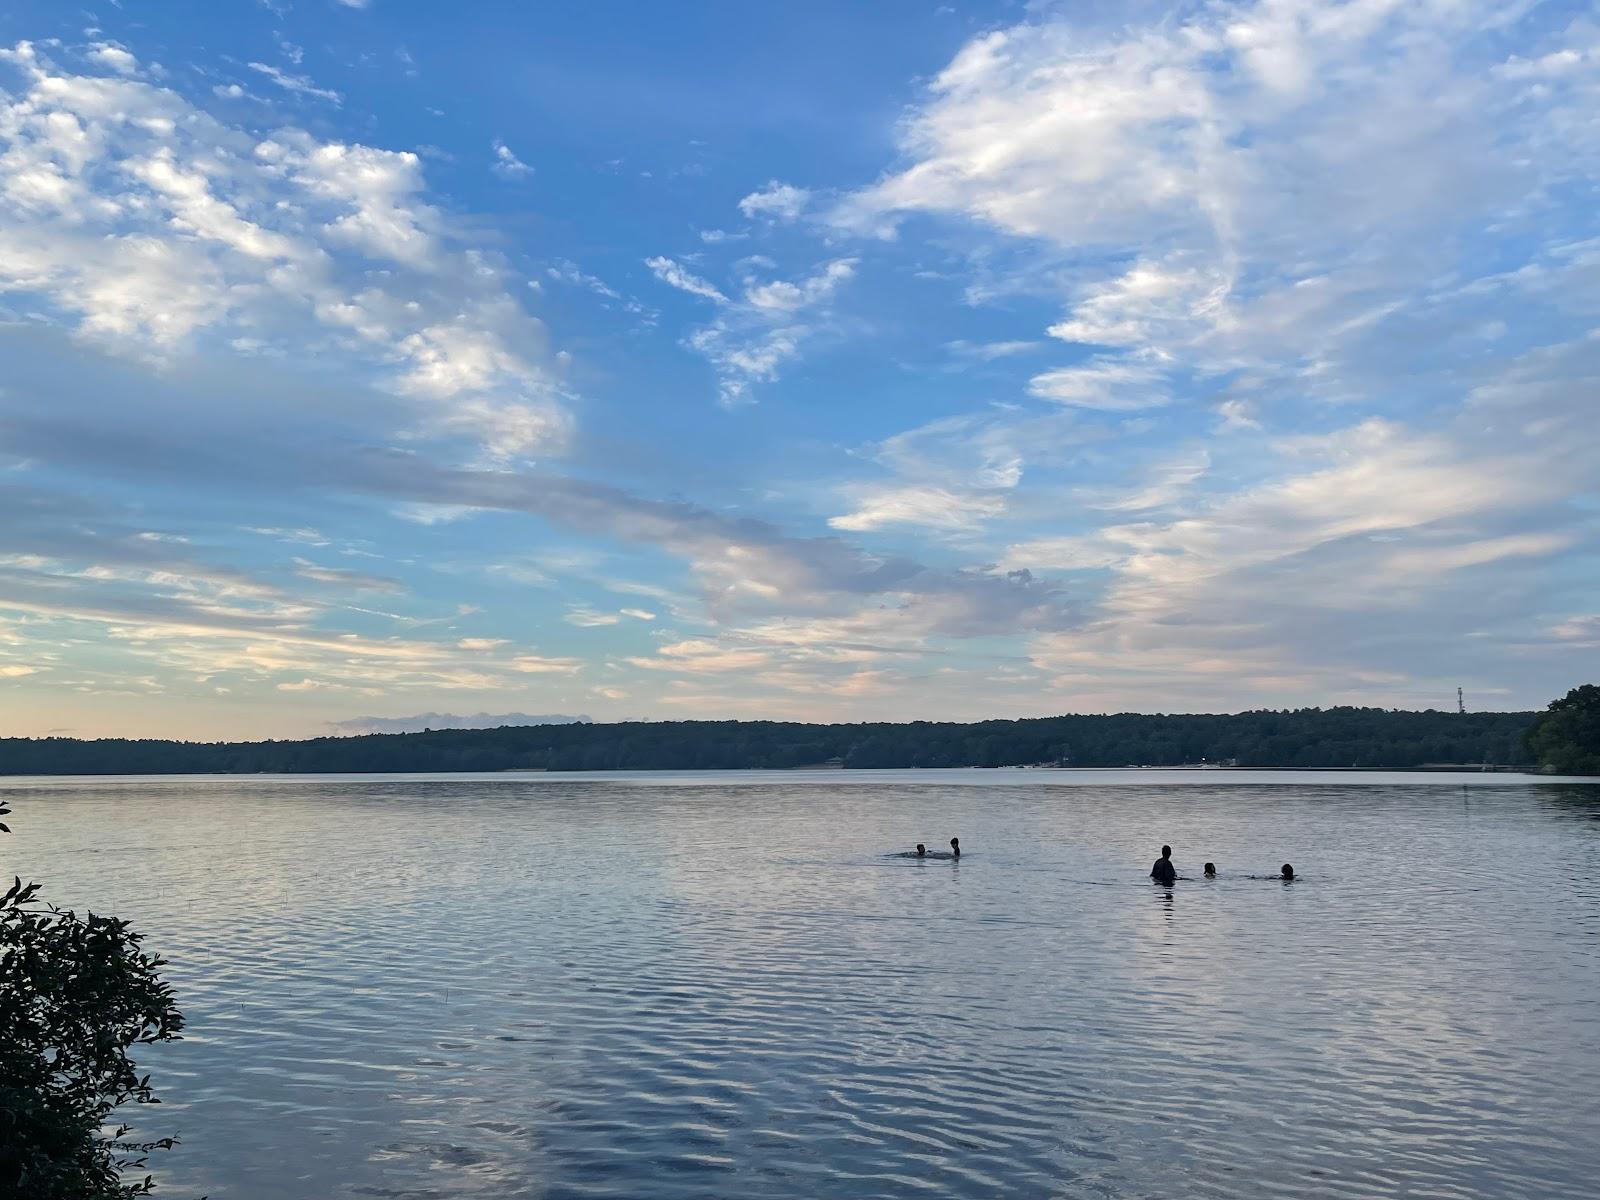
column 753, row 338
column 675, row 275
column 299, row 85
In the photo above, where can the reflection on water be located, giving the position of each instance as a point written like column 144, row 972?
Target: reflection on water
column 546, row 988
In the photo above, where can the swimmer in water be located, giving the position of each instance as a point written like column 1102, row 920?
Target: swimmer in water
column 1164, row 872
column 1288, row 873
column 955, row 847
column 1211, row 870
column 922, row 851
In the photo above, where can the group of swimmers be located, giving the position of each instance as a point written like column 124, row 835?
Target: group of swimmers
column 1163, row 872
column 1166, row 874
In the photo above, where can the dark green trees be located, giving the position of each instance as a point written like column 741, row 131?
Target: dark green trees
column 1566, row 737
column 1308, row 737
column 75, row 994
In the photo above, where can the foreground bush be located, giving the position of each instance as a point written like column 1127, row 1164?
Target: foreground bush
column 76, row 993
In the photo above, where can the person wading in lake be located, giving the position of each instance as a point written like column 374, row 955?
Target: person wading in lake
column 1164, row 872
column 955, row 847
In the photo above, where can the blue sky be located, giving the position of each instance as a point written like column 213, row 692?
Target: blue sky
column 826, row 361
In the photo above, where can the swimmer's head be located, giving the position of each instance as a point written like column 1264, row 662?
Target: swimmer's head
column 1211, row 868
column 921, row 849
column 955, row 845
column 1166, row 852
column 1288, row 871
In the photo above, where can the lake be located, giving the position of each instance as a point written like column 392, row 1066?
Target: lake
column 720, row 986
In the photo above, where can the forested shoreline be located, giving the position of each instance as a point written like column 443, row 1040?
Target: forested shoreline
column 1331, row 738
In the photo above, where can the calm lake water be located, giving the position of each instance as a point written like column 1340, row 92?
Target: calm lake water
column 718, row 986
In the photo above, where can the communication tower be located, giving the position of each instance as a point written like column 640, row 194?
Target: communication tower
column 1461, row 704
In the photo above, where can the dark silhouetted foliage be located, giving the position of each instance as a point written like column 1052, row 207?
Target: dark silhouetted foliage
column 1308, row 737
column 76, row 993
column 1565, row 738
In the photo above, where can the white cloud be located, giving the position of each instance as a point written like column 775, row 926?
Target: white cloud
column 156, row 607
column 197, row 210
column 152, row 225
column 1165, row 483
column 1581, row 630
column 1152, row 304
column 674, row 275
column 699, row 656
column 1065, row 553
column 1304, row 583
column 1236, row 414
column 589, row 618
column 1109, row 385
column 114, row 57
column 376, row 190
column 300, row 85
column 957, row 474
column 780, row 201
column 784, row 296
column 990, row 351
column 928, row 507
column 570, row 272
column 1023, row 118
column 344, row 578
column 751, row 340
column 1249, row 184
column 1547, row 66
column 507, row 164
column 532, row 664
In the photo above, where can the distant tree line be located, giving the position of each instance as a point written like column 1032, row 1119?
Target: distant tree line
column 1307, row 737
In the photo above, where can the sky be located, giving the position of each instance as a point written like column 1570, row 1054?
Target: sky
column 364, row 361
